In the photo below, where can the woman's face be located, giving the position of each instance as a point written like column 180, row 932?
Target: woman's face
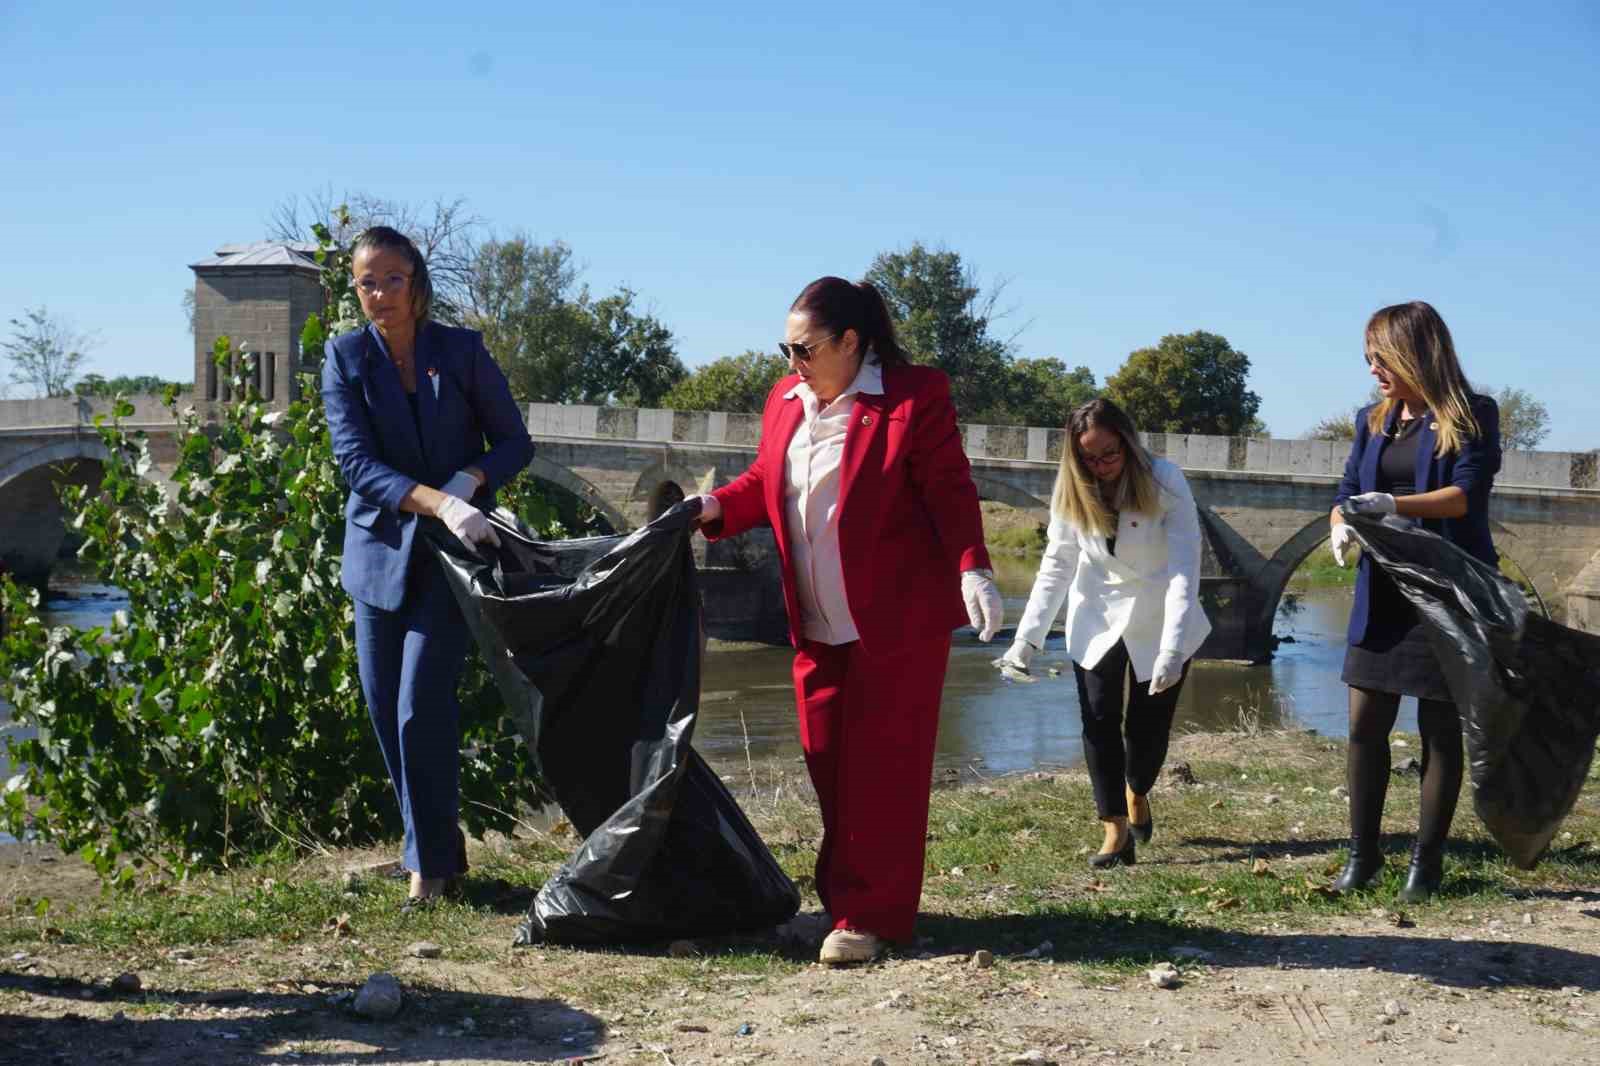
column 832, row 362
column 1102, row 453
column 383, row 283
column 1390, row 385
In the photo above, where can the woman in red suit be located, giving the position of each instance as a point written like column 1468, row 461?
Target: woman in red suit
column 862, row 477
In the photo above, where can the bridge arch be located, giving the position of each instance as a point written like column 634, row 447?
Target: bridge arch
column 581, row 487
column 31, row 523
column 993, row 488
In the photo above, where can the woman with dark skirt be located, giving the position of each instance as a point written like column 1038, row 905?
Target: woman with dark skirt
column 1427, row 451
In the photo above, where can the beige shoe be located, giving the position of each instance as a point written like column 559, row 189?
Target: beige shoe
column 846, row 946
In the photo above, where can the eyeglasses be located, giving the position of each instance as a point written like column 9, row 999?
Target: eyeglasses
column 371, row 286
column 1105, row 458
column 801, row 350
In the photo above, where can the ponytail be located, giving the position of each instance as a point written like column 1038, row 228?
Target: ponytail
column 836, row 305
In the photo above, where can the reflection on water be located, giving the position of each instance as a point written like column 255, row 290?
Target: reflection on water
column 987, row 721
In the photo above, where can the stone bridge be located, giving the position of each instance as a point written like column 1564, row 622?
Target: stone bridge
column 1263, row 503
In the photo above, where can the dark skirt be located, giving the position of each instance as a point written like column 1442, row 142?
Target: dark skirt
column 1401, row 661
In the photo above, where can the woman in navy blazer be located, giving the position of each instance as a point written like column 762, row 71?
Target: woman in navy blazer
column 1428, row 450
column 410, row 404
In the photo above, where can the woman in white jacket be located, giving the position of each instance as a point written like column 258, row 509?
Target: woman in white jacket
column 1124, row 553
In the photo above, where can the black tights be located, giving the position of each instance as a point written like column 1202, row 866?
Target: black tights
column 1372, row 716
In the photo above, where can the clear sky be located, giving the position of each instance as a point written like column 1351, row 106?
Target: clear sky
column 1273, row 173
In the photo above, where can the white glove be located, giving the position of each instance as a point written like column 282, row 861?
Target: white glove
column 1372, row 503
column 1168, row 672
column 469, row 524
column 984, row 608
column 1339, row 538
column 461, row 485
column 1017, row 656
column 710, row 509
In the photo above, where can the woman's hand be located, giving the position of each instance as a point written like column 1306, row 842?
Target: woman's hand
column 1379, row 503
column 1339, row 538
column 710, row 510
column 1017, row 656
column 985, row 610
column 469, row 524
column 1168, row 671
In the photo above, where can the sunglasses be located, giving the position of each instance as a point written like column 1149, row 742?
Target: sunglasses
column 801, row 350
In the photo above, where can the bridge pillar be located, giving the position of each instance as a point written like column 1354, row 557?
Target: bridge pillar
column 1583, row 598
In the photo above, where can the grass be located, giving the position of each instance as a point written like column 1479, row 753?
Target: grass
column 1250, row 846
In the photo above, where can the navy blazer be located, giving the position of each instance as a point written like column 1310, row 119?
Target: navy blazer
column 462, row 399
column 1471, row 469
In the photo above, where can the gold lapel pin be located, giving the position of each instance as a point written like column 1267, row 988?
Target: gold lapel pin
column 866, row 420
column 1434, row 426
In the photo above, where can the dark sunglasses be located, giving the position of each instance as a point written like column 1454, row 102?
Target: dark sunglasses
column 801, row 350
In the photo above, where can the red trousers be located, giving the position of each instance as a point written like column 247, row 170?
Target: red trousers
column 868, row 725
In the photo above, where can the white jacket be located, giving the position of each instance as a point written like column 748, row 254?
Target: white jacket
column 1147, row 595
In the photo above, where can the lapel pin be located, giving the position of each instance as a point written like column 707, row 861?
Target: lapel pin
column 866, row 420
column 1433, row 426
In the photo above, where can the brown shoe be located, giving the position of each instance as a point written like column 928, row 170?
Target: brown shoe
column 845, row 947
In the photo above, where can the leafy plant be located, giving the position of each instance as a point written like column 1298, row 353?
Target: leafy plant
column 220, row 716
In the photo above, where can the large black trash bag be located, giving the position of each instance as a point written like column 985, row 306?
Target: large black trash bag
column 1527, row 688
column 596, row 645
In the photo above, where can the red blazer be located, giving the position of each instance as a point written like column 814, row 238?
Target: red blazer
column 908, row 511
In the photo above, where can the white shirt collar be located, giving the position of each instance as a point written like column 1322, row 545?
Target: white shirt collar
column 869, row 379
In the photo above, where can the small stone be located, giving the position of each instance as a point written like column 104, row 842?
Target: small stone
column 1527, row 919
column 1269, row 800
column 1339, row 791
column 897, row 1000
column 745, row 1030
column 1031, row 1057
column 379, row 997
column 682, row 949
column 126, row 984
column 1178, row 1047
column 877, row 1060
column 1385, row 1019
column 1163, row 976
column 424, row 949
column 982, row 959
column 1393, row 1008
column 691, row 1027
column 1216, row 805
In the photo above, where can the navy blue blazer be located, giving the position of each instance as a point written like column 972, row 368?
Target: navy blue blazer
column 462, row 399
column 1471, row 469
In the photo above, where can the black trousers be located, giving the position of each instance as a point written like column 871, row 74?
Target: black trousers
column 1115, row 759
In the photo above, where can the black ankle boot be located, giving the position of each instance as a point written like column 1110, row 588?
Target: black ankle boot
column 1364, row 864
column 1424, row 875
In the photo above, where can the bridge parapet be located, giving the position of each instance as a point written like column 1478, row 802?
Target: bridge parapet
column 1192, row 451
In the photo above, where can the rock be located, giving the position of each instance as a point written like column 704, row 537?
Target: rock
column 126, row 984
column 1408, row 765
column 745, row 1030
column 1339, row 791
column 877, row 1060
column 1182, row 773
column 897, row 1000
column 982, row 959
column 1393, row 1009
column 1527, row 919
column 1031, row 1057
column 379, row 997
column 1165, row 975
column 424, row 949
column 1178, row 1047
column 691, row 1027
column 682, row 949
column 1269, row 800
column 1216, row 805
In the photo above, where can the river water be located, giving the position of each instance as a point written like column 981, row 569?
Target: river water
column 988, row 723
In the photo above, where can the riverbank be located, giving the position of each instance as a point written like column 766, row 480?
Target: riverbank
column 257, row 965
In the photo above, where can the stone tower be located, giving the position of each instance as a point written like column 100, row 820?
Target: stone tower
column 259, row 295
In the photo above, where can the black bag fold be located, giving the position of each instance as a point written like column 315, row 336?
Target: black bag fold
column 596, row 645
column 1528, row 689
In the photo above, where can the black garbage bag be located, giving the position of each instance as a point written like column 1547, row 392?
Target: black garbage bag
column 596, row 645
column 1528, row 689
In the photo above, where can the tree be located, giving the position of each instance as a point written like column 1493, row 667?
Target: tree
column 732, row 383
column 444, row 232
column 556, row 342
column 127, row 385
column 1188, row 383
column 1524, row 421
column 45, row 352
column 1042, row 392
column 942, row 319
column 1342, row 427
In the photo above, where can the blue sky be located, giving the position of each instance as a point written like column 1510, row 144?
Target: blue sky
column 1270, row 175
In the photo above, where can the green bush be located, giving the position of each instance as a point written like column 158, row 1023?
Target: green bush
column 220, row 716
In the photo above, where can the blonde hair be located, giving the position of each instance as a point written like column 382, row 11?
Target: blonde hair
column 1411, row 342
column 1078, row 498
